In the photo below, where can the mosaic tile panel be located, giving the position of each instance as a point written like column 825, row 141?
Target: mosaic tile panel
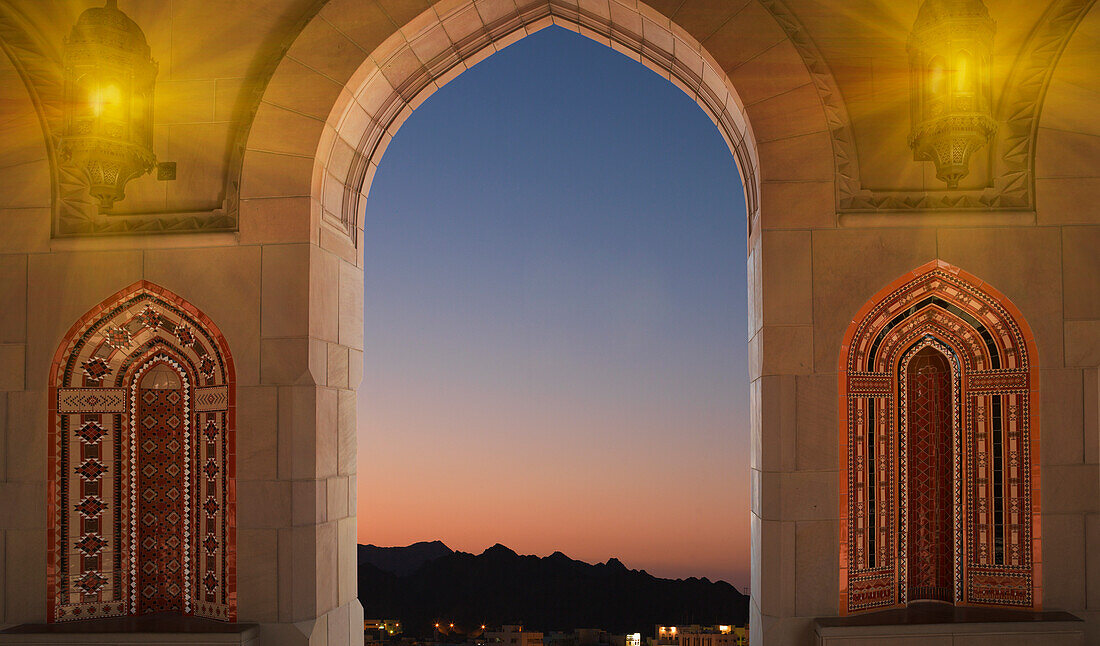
column 931, row 476
column 160, row 512
column 141, row 459
column 938, row 427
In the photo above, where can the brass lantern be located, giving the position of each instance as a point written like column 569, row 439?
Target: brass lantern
column 107, row 132
column 950, row 49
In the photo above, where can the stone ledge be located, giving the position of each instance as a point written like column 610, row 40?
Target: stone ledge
column 154, row 629
column 936, row 624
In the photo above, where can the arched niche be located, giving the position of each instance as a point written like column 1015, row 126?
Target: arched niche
column 939, row 441
column 141, row 463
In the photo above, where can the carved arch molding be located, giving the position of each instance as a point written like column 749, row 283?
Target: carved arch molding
column 141, row 497
column 39, row 62
column 939, row 437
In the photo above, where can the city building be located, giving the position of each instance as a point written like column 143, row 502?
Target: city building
column 513, row 635
column 629, row 639
column 696, row 635
column 665, row 636
column 923, row 218
column 591, row 636
column 383, row 627
column 559, row 638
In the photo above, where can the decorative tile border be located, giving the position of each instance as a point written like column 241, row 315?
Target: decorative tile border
column 91, row 400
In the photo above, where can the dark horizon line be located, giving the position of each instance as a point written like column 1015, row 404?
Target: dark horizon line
column 608, row 561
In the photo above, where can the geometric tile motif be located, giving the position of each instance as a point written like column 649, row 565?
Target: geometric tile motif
column 160, row 508
column 91, row 469
column 211, row 398
column 91, row 544
column 91, row 507
column 96, row 368
column 184, row 335
column 91, row 400
column 211, row 431
column 996, row 381
column 91, row 432
column 91, row 583
column 997, row 587
column 206, row 366
column 150, row 318
column 119, row 338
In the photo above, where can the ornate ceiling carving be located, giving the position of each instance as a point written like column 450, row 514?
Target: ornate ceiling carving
column 37, row 56
column 1013, row 171
column 34, row 48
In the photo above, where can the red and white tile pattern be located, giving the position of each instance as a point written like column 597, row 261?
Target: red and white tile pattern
column 939, row 471
column 141, row 459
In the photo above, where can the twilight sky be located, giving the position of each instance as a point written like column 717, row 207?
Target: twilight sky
column 555, row 320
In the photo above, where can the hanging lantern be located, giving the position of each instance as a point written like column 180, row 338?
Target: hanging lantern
column 108, row 121
column 950, row 49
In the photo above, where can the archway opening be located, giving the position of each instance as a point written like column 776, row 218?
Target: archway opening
column 555, row 321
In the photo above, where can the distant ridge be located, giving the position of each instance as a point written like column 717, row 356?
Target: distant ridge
column 402, row 561
column 428, row 582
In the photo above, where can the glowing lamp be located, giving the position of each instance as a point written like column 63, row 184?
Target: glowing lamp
column 950, row 49
column 108, row 112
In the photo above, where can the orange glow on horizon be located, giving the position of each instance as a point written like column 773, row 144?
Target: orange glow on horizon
column 541, row 495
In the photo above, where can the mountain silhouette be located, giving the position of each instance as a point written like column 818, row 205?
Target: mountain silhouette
column 426, row 583
column 402, row 561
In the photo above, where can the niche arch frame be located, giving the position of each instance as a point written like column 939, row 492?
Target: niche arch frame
column 107, row 506
column 998, row 359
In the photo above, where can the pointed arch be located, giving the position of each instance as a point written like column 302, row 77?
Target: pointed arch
column 366, row 92
column 992, row 541
column 141, row 499
column 448, row 38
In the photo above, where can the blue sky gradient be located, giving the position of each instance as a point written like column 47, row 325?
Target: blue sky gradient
column 556, row 319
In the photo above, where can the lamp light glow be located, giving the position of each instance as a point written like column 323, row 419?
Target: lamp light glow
column 950, row 52
column 108, row 107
